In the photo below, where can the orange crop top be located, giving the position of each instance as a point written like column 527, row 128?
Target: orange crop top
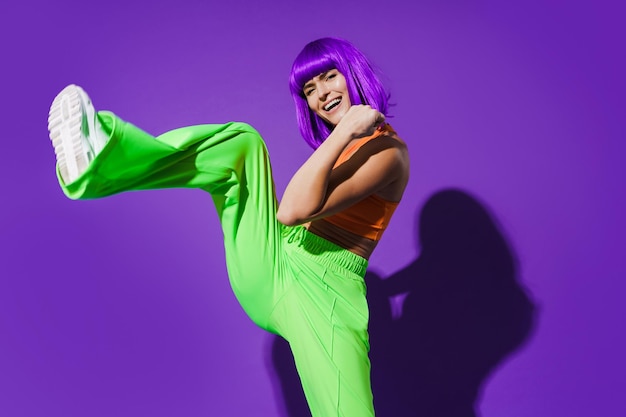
column 369, row 217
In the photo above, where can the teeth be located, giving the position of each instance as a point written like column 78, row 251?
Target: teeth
column 332, row 104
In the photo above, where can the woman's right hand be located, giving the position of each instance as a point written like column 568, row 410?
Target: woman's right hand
column 359, row 121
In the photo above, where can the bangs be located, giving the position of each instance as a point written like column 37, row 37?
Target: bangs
column 309, row 64
column 323, row 55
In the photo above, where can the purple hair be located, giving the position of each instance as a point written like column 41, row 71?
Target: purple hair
column 322, row 55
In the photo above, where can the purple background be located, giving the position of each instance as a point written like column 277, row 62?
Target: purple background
column 121, row 307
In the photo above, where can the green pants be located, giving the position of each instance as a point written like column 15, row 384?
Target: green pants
column 289, row 281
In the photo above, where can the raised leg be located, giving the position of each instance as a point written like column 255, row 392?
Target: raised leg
column 229, row 161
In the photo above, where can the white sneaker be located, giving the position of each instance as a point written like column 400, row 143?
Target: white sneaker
column 75, row 132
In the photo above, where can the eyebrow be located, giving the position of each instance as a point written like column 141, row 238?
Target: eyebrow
column 310, row 84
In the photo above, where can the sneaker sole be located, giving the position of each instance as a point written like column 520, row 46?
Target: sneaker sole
column 68, row 132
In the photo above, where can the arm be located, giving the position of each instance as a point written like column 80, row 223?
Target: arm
column 317, row 191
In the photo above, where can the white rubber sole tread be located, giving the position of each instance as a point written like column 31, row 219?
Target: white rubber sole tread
column 73, row 132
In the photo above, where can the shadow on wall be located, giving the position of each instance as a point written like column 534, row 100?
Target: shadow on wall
column 440, row 326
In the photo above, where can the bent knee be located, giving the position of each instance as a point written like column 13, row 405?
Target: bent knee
column 246, row 129
column 249, row 135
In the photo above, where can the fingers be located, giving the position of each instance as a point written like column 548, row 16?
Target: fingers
column 364, row 119
column 369, row 113
column 360, row 120
column 380, row 118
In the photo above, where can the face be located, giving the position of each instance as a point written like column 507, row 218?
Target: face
column 327, row 96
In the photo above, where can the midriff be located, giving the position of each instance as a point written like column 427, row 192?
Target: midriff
column 356, row 244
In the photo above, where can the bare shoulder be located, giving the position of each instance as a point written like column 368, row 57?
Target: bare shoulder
column 388, row 144
column 391, row 147
column 395, row 141
column 380, row 166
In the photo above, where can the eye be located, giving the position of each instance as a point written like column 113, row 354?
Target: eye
column 308, row 91
column 331, row 76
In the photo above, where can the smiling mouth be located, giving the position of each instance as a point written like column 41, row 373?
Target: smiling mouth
column 332, row 104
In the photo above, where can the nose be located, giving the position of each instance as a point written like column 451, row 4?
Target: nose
column 322, row 91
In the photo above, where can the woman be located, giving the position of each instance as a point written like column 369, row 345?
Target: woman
column 297, row 269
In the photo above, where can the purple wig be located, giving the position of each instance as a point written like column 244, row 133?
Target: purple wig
column 322, row 55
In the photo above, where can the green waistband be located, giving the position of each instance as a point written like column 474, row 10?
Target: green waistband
column 324, row 252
